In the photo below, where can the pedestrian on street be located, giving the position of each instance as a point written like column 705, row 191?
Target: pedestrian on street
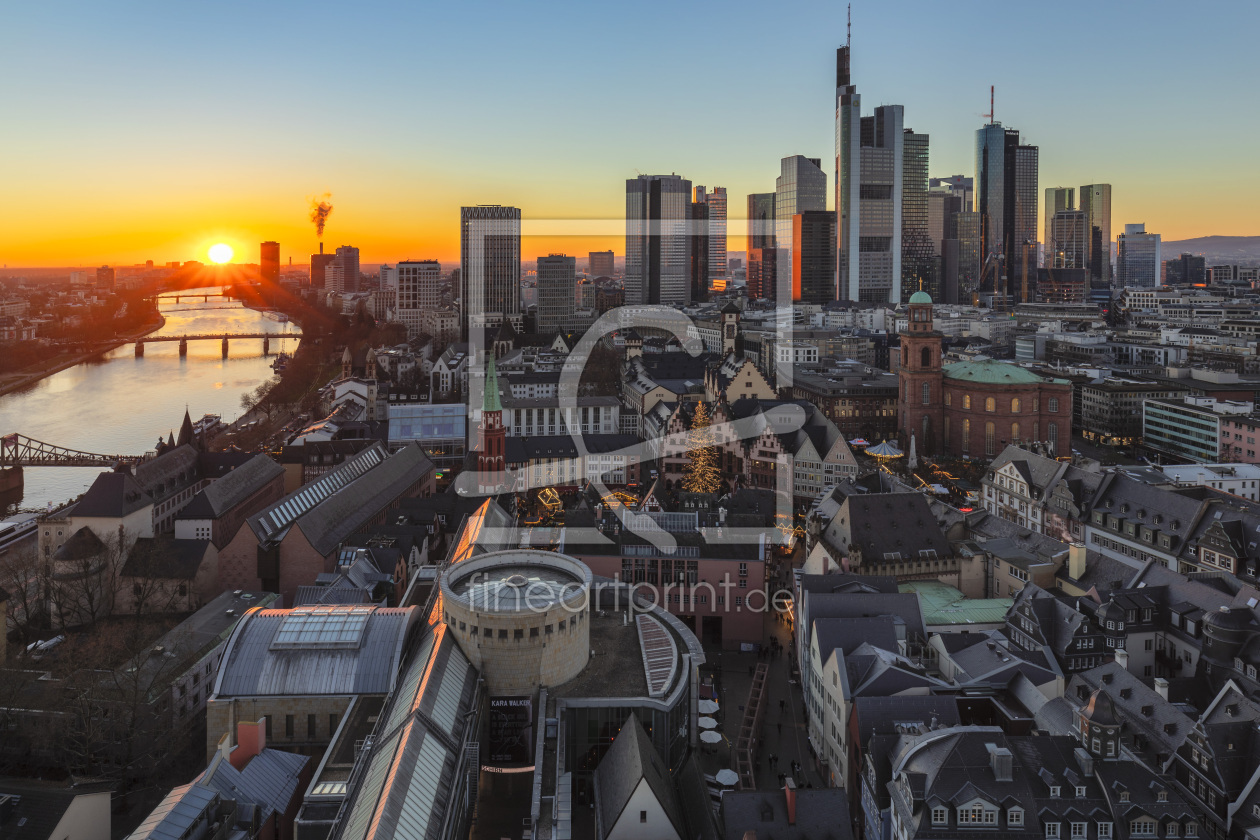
column 781, row 705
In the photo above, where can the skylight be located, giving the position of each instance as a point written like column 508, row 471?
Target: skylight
column 322, row 627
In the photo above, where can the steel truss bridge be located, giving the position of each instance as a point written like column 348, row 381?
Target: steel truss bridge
column 17, row 450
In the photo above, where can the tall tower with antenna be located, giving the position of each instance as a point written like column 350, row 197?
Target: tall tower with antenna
column 848, row 169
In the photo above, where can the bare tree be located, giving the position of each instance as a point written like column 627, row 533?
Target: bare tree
column 82, row 581
column 24, row 577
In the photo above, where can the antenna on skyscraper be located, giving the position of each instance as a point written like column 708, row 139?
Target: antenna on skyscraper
column 848, row 28
column 990, row 114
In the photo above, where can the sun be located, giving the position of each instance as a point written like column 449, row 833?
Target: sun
column 221, row 253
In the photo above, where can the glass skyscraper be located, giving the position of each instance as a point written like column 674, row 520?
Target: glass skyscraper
column 1138, row 258
column 918, row 266
column 761, row 221
column 1096, row 204
column 658, row 247
column 1007, row 199
column 800, row 187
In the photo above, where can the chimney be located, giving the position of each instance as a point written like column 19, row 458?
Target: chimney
column 789, row 790
column 1000, row 762
column 1161, row 687
column 251, row 739
column 1122, row 658
column 321, row 247
column 1076, row 560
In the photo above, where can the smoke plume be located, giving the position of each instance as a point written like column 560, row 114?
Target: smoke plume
column 321, row 209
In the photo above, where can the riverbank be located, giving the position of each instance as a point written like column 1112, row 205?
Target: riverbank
column 20, row 381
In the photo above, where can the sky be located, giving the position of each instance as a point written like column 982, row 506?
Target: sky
column 138, row 130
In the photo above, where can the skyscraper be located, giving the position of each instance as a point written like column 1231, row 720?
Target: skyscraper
column 715, row 199
column 1057, row 199
column 919, row 268
column 761, row 275
column 871, row 196
column 269, row 262
column 959, row 185
column 418, row 290
column 1138, row 258
column 319, row 267
column 104, row 277
column 1006, row 198
column 800, row 187
column 698, row 249
column 848, row 171
column 557, row 289
column 601, row 263
column 490, row 267
column 1096, row 204
column 346, row 261
column 1066, row 239
column 813, row 256
column 761, row 220
column 657, row 244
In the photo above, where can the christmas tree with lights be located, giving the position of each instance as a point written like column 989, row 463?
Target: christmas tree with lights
column 703, row 473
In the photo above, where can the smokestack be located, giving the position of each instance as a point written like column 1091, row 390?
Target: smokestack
column 789, row 790
column 321, row 247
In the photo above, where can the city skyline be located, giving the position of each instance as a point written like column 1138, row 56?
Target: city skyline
column 100, row 131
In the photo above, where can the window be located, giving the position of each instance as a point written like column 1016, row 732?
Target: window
column 332, row 725
column 1142, row 828
column 1053, row 405
column 1080, row 791
column 1014, row 432
column 267, row 725
column 927, row 393
column 310, row 727
column 1052, row 830
column 288, row 726
column 1078, row 829
column 940, row 816
column 966, row 436
column 949, row 398
column 966, row 401
column 1054, row 437
column 643, row 816
column 990, row 438
column 1104, row 831
column 1172, row 830
column 1054, row 791
column 925, row 357
column 990, row 404
column 1014, row 405
column 1192, row 829
column 1015, row 816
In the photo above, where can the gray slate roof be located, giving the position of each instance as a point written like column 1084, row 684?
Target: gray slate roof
column 821, row 814
column 225, row 493
column 250, row 666
column 629, row 760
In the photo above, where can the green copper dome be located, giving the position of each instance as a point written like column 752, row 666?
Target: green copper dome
column 990, row 371
column 920, row 297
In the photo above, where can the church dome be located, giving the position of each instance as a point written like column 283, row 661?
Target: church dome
column 920, row 297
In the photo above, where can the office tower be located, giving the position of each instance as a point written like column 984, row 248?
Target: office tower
column 341, row 273
column 418, row 289
column 601, row 263
column 762, row 273
column 715, row 199
column 1187, row 270
column 1096, row 204
column 734, row 264
column 1057, row 199
column 1137, row 258
column 814, row 257
column 1067, row 238
column 761, row 220
column 918, row 251
column 489, row 268
column 698, row 249
column 269, row 262
column 319, row 266
column 1006, row 198
column 557, row 289
column 800, row 187
column 941, row 206
column 105, row 277
column 657, row 244
column 958, row 185
column 847, row 172
column 967, row 230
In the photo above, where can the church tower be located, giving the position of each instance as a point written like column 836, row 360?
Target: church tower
column 730, row 328
column 491, row 437
column 347, row 363
column 921, row 401
column 370, row 371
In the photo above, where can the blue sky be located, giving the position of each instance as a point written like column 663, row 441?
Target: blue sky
column 190, row 122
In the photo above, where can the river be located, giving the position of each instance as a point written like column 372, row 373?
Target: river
column 120, row 404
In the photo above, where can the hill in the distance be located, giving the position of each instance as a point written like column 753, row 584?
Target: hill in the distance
column 1223, row 249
